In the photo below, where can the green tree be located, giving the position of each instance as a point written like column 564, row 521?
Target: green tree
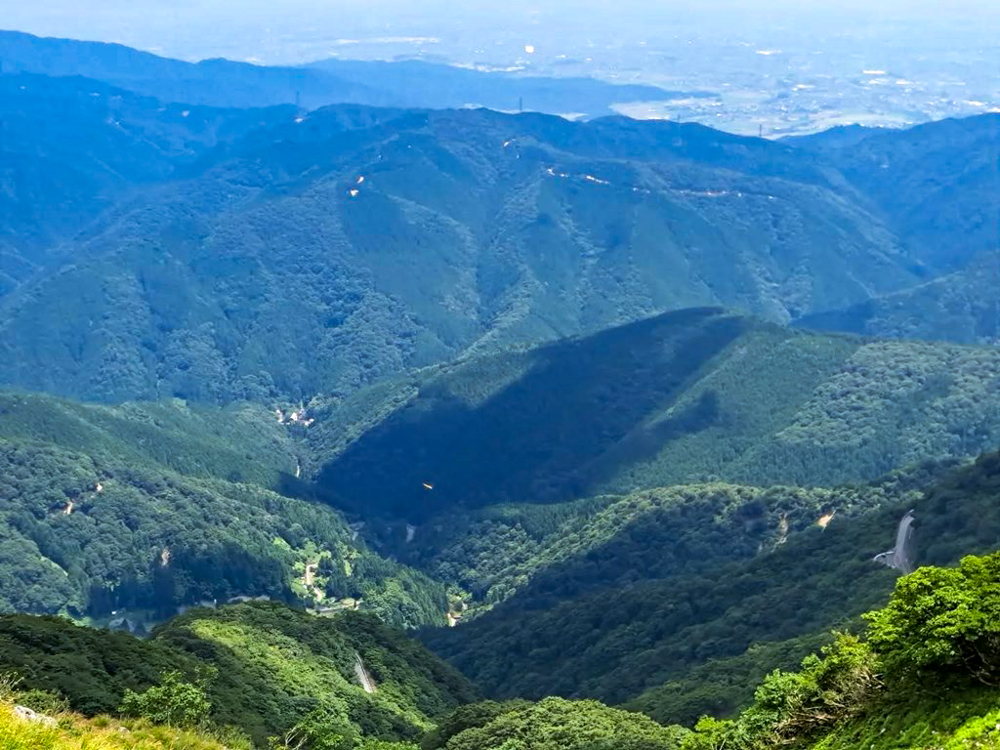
column 174, row 702
column 322, row 729
column 943, row 619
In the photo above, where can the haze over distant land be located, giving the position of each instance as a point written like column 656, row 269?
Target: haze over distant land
column 779, row 66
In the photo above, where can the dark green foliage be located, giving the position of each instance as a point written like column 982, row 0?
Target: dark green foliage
column 790, row 708
column 918, row 682
column 93, row 537
column 721, row 687
column 91, row 668
column 695, row 395
column 43, row 701
column 614, row 638
column 321, row 729
column 469, row 716
column 561, row 551
column 128, row 507
column 556, row 724
column 240, row 443
column 276, row 665
column 829, row 689
column 537, row 445
column 174, row 702
column 264, row 668
column 943, row 620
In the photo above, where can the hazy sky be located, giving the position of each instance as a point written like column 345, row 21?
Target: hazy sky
column 287, row 30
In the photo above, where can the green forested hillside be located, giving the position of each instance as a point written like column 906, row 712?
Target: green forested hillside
column 696, row 395
column 220, row 255
column 145, row 507
column 921, row 676
column 242, row 442
column 935, row 184
column 566, row 634
column 564, row 550
column 544, row 366
column 265, row 669
column 277, row 665
column 323, row 254
column 962, row 306
column 551, row 724
column 924, row 678
column 72, row 148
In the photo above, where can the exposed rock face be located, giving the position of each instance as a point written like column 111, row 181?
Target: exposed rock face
column 29, row 715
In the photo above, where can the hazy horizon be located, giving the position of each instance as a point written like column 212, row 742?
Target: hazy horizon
column 774, row 66
column 301, row 30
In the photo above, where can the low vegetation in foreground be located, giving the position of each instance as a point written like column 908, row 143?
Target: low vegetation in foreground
column 925, row 676
column 922, row 675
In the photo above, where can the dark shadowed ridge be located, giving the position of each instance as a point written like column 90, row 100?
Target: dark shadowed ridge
column 542, row 436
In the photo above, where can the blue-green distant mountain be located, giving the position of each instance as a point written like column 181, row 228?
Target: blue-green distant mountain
column 71, row 148
column 935, row 184
column 935, row 187
column 961, row 306
column 327, row 251
column 226, row 83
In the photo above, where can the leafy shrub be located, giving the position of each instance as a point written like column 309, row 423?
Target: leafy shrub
column 943, row 620
column 44, row 701
column 789, row 706
column 174, row 702
column 322, row 729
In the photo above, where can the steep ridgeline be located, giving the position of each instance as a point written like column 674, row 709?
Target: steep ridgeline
column 691, row 396
column 349, row 244
column 566, row 549
column 265, row 669
column 936, row 187
column 962, row 306
column 71, row 148
column 225, row 83
column 701, row 591
column 146, row 507
column 936, row 184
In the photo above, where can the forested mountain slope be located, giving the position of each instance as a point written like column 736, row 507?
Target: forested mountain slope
column 241, row 442
column 72, row 147
column 962, row 306
column 146, row 507
column 609, row 541
column 265, row 669
column 226, row 83
column 156, row 250
column 614, row 637
column 249, row 676
column 922, row 677
column 320, row 255
column 696, row 395
column 935, row 184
